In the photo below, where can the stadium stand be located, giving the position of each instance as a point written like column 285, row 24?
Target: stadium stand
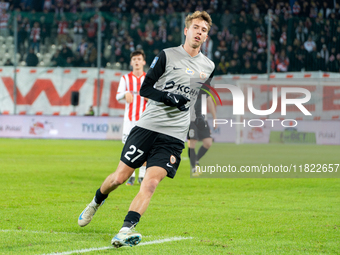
column 64, row 33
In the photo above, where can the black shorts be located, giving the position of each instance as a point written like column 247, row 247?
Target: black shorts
column 155, row 148
column 197, row 134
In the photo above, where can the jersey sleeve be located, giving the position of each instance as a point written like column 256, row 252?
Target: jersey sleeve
column 121, row 90
column 157, row 69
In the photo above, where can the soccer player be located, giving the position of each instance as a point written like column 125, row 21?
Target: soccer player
column 159, row 136
column 128, row 91
column 196, row 134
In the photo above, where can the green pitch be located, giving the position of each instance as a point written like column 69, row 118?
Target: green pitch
column 45, row 184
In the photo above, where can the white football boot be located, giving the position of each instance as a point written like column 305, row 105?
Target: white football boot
column 126, row 237
column 86, row 216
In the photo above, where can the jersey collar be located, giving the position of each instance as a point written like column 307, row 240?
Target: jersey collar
column 183, row 50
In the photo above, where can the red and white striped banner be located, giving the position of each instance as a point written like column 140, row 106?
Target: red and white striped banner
column 47, row 91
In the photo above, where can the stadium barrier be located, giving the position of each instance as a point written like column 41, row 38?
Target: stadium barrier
column 110, row 128
column 61, row 127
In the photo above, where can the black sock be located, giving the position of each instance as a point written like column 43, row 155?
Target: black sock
column 192, row 157
column 132, row 218
column 201, row 152
column 100, row 197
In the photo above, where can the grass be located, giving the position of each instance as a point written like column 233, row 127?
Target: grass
column 45, row 184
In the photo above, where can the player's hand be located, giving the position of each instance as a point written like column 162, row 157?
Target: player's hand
column 128, row 97
column 200, row 122
column 175, row 100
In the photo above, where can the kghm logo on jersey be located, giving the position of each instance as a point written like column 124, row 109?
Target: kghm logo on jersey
column 189, row 71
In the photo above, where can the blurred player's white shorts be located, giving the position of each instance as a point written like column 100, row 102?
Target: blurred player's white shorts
column 128, row 125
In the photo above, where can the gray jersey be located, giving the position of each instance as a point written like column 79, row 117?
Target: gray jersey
column 175, row 71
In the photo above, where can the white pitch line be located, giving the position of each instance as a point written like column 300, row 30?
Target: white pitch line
column 111, row 247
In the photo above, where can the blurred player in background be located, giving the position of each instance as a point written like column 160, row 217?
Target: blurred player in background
column 159, row 136
column 195, row 134
column 128, row 91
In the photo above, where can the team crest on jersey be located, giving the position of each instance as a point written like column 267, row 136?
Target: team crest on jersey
column 172, row 159
column 154, row 62
column 191, row 72
column 203, row 75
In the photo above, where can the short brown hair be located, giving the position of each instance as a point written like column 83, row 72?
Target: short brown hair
column 136, row 53
column 203, row 15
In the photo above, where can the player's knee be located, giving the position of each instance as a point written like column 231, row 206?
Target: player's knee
column 207, row 144
column 150, row 185
column 192, row 144
column 117, row 180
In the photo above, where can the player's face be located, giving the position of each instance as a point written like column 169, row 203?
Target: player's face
column 197, row 33
column 137, row 62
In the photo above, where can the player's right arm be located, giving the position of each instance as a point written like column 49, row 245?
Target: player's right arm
column 123, row 93
column 157, row 69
